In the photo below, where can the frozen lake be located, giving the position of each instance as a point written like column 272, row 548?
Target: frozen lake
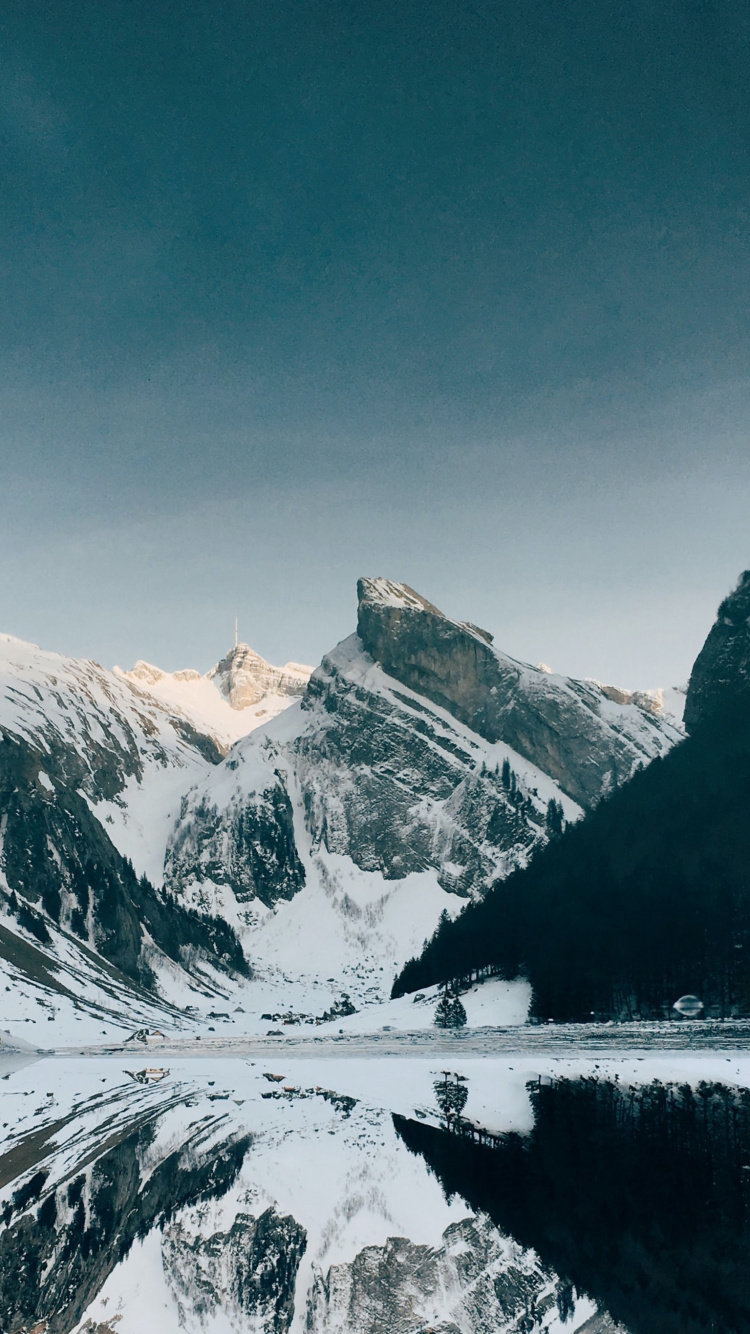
column 449, row 1189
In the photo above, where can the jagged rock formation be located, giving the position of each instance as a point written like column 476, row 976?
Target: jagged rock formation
column 418, row 746
column 247, row 1273
column 419, row 757
column 565, row 727
column 235, row 696
column 376, row 774
column 720, row 680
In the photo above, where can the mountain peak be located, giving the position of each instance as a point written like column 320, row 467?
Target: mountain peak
column 243, row 677
column 382, row 592
column 720, row 678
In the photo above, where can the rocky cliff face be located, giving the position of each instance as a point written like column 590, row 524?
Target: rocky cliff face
column 246, row 844
column 575, row 731
column 419, row 756
column 418, row 747
column 720, row 680
column 365, row 771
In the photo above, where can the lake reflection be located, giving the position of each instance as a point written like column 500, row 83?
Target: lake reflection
column 372, row 1196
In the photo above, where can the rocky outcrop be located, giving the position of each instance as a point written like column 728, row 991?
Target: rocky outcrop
column 244, row 678
column 581, row 736
column 247, row 1274
column 378, row 775
column 720, row 680
column 417, row 747
column 395, row 785
column 247, row 845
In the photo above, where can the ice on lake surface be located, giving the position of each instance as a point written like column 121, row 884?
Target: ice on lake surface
column 388, row 1195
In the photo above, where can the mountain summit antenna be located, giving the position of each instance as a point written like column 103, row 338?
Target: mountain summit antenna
column 236, row 640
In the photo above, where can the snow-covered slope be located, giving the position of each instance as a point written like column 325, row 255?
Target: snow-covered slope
column 416, row 766
column 238, row 694
column 92, row 773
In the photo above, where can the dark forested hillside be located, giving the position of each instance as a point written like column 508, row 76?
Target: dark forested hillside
column 649, row 897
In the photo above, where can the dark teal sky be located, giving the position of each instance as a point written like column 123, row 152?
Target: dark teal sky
column 295, row 291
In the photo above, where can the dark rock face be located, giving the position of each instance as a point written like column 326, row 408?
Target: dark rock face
column 249, row 1271
column 557, row 724
column 390, row 783
column 476, row 1279
column 54, row 1258
column 250, row 847
column 720, row 680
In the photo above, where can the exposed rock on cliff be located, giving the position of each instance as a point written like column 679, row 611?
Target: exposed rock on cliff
column 587, row 739
column 243, row 677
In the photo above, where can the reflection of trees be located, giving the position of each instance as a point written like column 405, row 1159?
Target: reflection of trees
column 638, row 1197
column 451, row 1095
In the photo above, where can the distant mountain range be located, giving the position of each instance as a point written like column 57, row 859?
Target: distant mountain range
column 274, row 837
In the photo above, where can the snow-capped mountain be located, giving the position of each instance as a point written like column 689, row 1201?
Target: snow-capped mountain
column 238, row 694
column 420, row 765
column 416, row 766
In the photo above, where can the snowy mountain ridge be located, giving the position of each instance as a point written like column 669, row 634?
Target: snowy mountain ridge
column 415, row 766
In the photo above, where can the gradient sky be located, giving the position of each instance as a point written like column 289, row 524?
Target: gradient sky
column 297, row 290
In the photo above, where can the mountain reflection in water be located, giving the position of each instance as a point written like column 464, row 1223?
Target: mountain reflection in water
column 353, row 1197
column 638, row 1196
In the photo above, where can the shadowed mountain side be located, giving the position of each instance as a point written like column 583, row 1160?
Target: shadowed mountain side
column 647, row 899
column 720, row 679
